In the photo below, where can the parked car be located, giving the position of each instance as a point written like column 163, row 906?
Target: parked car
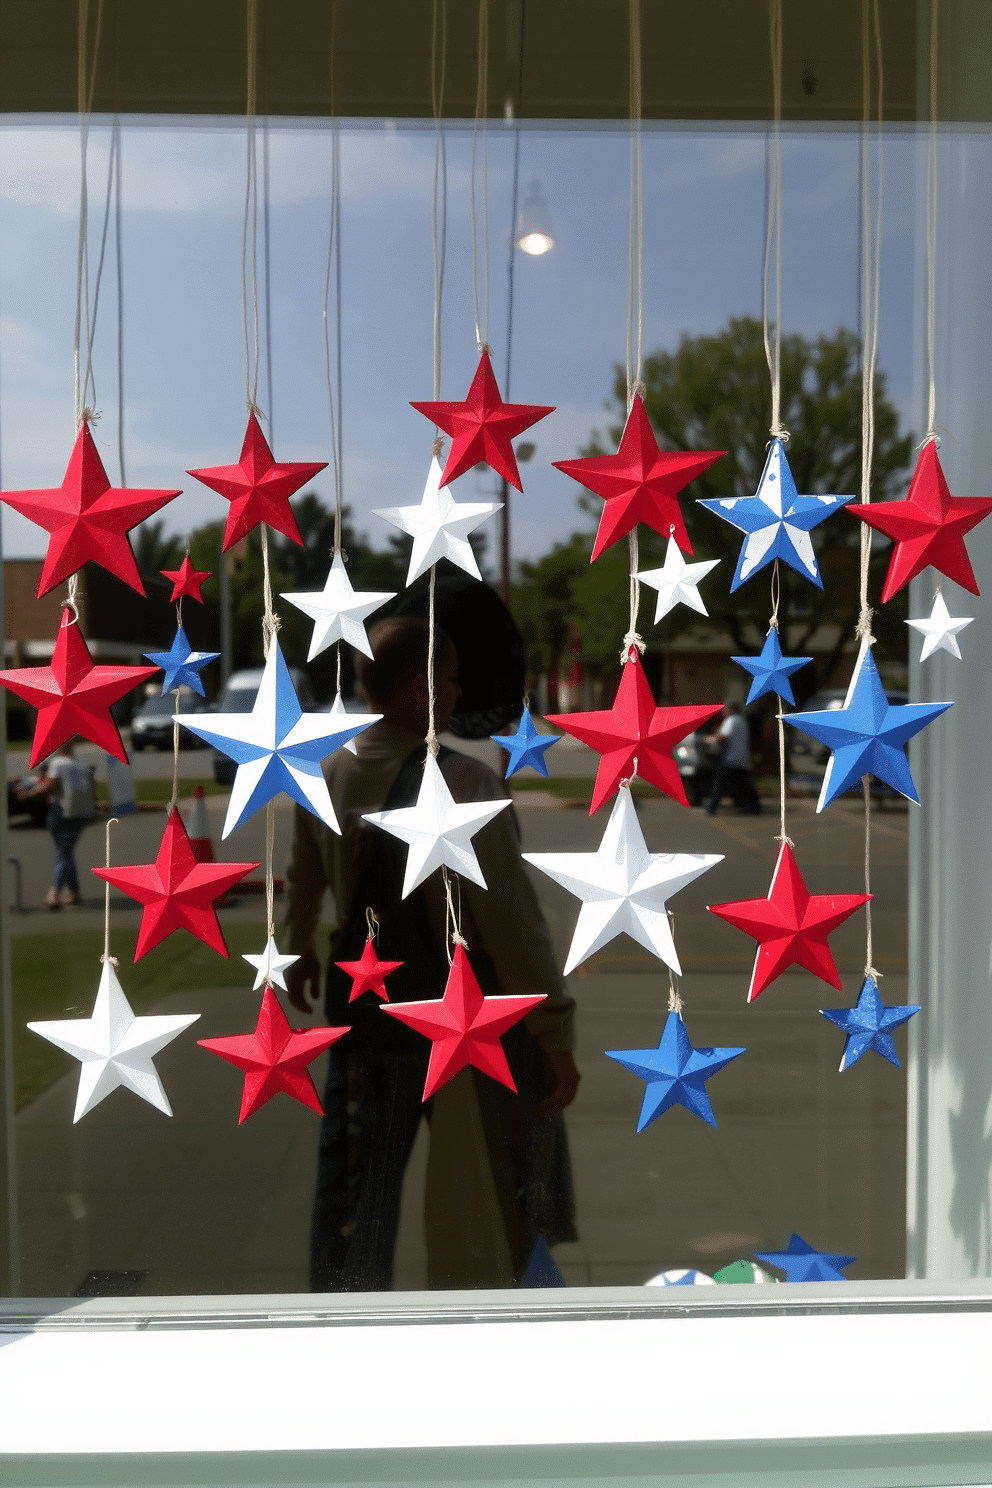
column 33, row 812
column 696, row 757
column 239, row 697
column 151, row 727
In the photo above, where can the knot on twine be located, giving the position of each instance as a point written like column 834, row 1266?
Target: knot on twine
column 339, row 552
column 437, row 446
column 631, row 642
column 254, row 408
column 372, row 921
column 674, row 1001
column 458, row 939
column 628, row 780
column 863, row 628
column 485, row 348
column 109, row 960
column 88, row 415
column 270, row 628
column 782, row 837
column 871, row 972
column 640, row 387
column 931, row 436
column 778, row 431
column 432, row 741
column 70, row 604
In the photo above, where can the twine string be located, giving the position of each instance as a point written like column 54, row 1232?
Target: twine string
column 635, row 220
column 85, row 85
column 175, row 752
column 481, row 118
column 453, row 912
column 439, row 214
column 674, row 982
column 107, row 958
column 869, row 968
column 334, row 251
column 782, row 834
column 270, row 888
column 119, row 261
column 432, row 743
column 270, row 620
column 773, row 229
column 870, row 285
column 372, row 921
column 932, row 227
column 251, row 342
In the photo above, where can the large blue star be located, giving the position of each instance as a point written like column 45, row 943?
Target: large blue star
column 675, row 1072
column 526, row 746
column 802, row 1263
column 771, row 670
column 182, row 665
column 867, row 735
column 777, row 520
column 869, row 1024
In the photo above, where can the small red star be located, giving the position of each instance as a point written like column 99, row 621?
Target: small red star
column 640, row 482
column 791, row 926
column 634, row 728
column 178, row 892
column 186, row 580
column 481, row 428
column 464, row 1026
column 87, row 517
column 257, row 488
column 72, row 695
column 369, row 972
column 275, row 1057
column 927, row 528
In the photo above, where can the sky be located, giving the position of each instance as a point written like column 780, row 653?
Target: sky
column 184, row 371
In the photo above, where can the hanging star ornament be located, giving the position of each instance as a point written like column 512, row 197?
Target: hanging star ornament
column 73, row 696
column 940, row 630
column 186, row 580
column 634, row 728
column 338, row 710
column 437, row 830
column 771, row 670
column 791, row 925
column 623, row 887
column 277, row 747
column 269, row 966
column 640, row 483
column 482, row 426
column 777, row 521
column 869, row 1025
column 801, row 1262
column 258, row 488
column 114, row 1047
column 337, row 612
column 928, row 528
column 439, row 526
column 368, row 973
column 181, row 664
column 274, row 1057
column 177, row 891
column 675, row 1072
column 463, row 1026
column 867, row 735
column 677, row 582
column 87, row 518
column 526, row 746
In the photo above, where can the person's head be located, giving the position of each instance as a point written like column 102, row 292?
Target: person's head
column 394, row 679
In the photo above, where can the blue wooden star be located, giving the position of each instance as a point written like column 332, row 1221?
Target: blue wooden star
column 526, row 746
column 802, row 1263
column 542, row 1269
column 777, row 520
column 869, row 1024
column 182, row 665
column 867, row 735
column 771, row 670
column 675, row 1072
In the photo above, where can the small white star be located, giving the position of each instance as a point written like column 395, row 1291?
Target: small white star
column 337, row 611
column 940, row 630
column 440, row 526
column 269, row 966
column 677, row 582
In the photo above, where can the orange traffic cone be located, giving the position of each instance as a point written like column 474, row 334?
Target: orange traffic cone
column 199, row 829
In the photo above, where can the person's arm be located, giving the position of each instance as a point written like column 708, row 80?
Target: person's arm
column 306, row 881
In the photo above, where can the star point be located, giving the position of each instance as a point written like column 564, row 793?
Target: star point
column 338, row 612
column 186, row 580
column 439, row 526
column 869, row 1024
column 181, row 664
column 274, row 1057
column 801, row 1262
column 677, row 582
column 675, row 1073
column 771, row 670
column 269, row 965
column 940, row 630
column 258, row 487
column 368, row 973
column 526, row 746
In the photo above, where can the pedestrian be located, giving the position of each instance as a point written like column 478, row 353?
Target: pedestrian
column 68, row 786
column 733, row 766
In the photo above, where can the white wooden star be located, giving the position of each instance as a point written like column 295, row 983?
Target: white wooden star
column 940, row 630
column 338, row 710
column 337, row 611
column 114, row 1047
column 440, row 526
column 677, row 582
column 269, row 966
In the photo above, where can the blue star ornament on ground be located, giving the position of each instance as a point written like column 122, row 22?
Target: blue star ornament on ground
column 869, row 1025
column 526, row 746
column 771, row 670
column 182, row 665
column 277, row 747
column 777, row 520
column 675, row 1072
column 801, row 1262
column 867, row 735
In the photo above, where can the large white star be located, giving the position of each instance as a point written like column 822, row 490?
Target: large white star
column 437, row 830
column 114, row 1047
column 440, row 526
column 623, row 887
column 940, row 630
column 677, row 582
column 269, row 966
column 338, row 613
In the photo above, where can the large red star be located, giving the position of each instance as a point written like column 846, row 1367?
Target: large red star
column 177, row 891
column 464, row 1026
column 186, row 580
column 257, row 488
column 634, row 728
column 275, row 1057
column 640, row 483
column 87, row 518
column 927, row 528
column 72, row 695
column 481, row 428
column 791, row 926
column 368, row 973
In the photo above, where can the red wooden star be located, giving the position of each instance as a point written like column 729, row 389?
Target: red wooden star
column 369, row 972
column 634, row 728
column 275, row 1057
column 927, row 528
column 87, row 518
column 464, row 1026
column 481, row 428
column 791, row 926
column 186, row 580
column 257, row 488
column 178, row 892
column 72, row 695
column 640, row 482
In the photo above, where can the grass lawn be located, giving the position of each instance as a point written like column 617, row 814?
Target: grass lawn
column 161, row 790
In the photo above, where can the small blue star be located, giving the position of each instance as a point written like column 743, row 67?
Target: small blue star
column 867, row 735
column 182, row 665
column 771, row 670
column 526, row 746
column 802, row 1263
column 675, row 1072
column 868, row 1025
